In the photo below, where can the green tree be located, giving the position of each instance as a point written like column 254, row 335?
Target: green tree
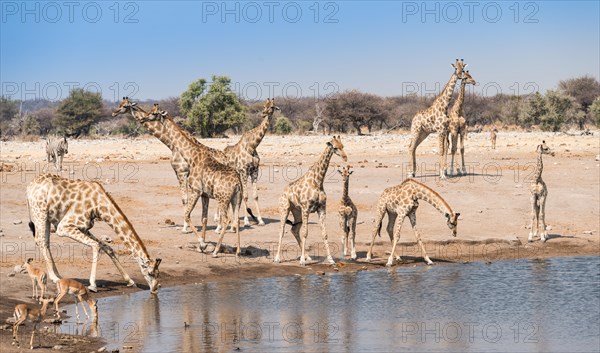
column 79, row 111
column 283, row 126
column 212, row 109
column 594, row 111
column 557, row 109
column 9, row 109
column 534, row 109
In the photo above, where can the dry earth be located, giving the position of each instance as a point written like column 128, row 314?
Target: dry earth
column 493, row 201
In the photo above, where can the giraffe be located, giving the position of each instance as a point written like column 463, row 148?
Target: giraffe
column 402, row 201
column 208, row 179
column 243, row 157
column 304, row 196
column 539, row 192
column 458, row 124
column 348, row 214
column 493, row 136
column 434, row 119
column 73, row 206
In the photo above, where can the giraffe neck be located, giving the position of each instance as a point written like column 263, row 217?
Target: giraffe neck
column 319, row 169
column 254, row 137
column 156, row 128
column 537, row 175
column 443, row 100
column 423, row 192
column 457, row 108
column 116, row 219
column 182, row 142
column 345, row 188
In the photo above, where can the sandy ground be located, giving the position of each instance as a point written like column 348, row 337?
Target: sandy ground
column 493, row 201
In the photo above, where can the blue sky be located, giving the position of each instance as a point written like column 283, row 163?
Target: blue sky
column 154, row 49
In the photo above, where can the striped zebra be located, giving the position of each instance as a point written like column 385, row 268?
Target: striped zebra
column 56, row 148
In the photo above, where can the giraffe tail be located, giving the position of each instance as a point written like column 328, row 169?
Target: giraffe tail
column 251, row 214
column 32, row 228
column 287, row 221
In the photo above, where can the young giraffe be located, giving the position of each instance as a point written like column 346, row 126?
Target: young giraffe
column 73, row 206
column 434, row 119
column 243, row 157
column 458, row 124
column 304, row 196
column 35, row 315
column 348, row 214
column 401, row 201
column 493, row 136
column 539, row 192
column 38, row 278
column 208, row 179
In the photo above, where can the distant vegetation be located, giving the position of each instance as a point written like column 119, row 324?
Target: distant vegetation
column 213, row 109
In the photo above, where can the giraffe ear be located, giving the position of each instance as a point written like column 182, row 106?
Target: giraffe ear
column 339, row 171
column 350, row 172
column 465, row 65
column 447, row 215
column 133, row 104
column 156, row 263
column 329, row 144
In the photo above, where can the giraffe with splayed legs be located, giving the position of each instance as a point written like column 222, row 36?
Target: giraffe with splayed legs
column 402, row 201
column 458, row 124
column 539, row 191
column 348, row 215
column 434, row 119
column 73, row 206
column 304, row 196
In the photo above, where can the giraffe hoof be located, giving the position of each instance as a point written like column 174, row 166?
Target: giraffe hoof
column 92, row 288
column 277, row 260
column 388, row 264
column 214, row 254
column 261, row 222
column 131, row 283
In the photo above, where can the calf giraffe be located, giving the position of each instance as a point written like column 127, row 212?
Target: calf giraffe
column 539, row 192
column 73, row 206
column 348, row 214
column 434, row 119
column 401, row 201
column 38, row 278
column 458, row 124
column 304, row 196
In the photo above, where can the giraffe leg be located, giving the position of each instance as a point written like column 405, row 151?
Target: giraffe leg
column 304, row 235
column 253, row 181
column 534, row 214
column 454, row 138
column 462, row 152
column 344, row 226
column 297, row 226
column 397, row 228
column 244, row 179
column 390, row 230
column 542, row 219
column 42, row 239
column 353, row 238
column 443, row 146
column 284, row 211
column 377, row 228
column 322, row 215
column 224, row 222
column 416, row 139
column 412, row 216
column 189, row 207
column 69, row 228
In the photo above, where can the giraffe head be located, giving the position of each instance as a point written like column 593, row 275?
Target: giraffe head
column 468, row 79
column 338, row 147
column 151, row 273
column 543, row 149
column 459, row 67
column 452, row 222
column 345, row 172
column 155, row 114
column 124, row 107
column 270, row 107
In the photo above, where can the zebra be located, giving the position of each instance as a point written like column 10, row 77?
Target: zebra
column 56, row 148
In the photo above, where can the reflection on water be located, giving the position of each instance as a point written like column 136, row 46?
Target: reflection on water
column 525, row 306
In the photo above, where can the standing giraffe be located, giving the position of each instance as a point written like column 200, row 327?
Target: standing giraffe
column 539, row 192
column 304, row 196
column 434, row 119
column 208, row 179
column 348, row 214
column 401, row 201
column 243, row 157
column 73, row 206
column 458, row 124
